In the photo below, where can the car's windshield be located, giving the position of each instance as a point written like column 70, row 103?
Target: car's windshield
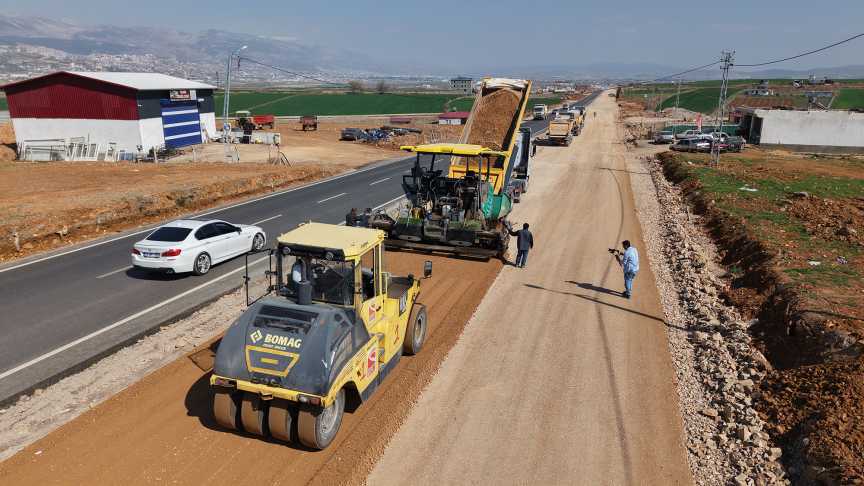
column 169, row 234
column 332, row 282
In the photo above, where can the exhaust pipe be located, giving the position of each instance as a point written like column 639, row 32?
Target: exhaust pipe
column 304, row 292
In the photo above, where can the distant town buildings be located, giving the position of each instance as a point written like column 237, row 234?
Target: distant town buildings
column 462, row 84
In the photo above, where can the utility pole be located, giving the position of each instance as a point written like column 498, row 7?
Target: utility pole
column 677, row 96
column 726, row 60
column 226, row 130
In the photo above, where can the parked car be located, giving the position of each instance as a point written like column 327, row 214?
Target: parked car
column 666, row 136
column 731, row 142
column 692, row 145
column 688, row 134
column 189, row 245
column 352, row 134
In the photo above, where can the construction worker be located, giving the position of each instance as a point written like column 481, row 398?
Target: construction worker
column 524, row 242
column 629, row 261
column 351, row 218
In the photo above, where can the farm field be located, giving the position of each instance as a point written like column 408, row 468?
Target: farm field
column 703, row 100
column 286, row 103
column 849, row 98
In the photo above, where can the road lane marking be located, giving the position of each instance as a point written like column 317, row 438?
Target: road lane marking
column 207, row 213
column 266, row 219
column 136, row 315
column 112, row 272
column 123, row 321
column 380, row 181
column 332, row 197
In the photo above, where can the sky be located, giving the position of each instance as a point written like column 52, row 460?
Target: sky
column 471, row 35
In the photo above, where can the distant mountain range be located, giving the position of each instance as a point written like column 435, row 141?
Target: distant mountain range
column 30, row 46
column 34, row 45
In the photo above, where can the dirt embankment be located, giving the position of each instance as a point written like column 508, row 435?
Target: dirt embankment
column 160, row 429
column 45, row 206
column 812, row 398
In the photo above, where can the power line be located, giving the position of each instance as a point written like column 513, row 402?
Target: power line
column 804, row 53
column 253, row 61
column 688, row 71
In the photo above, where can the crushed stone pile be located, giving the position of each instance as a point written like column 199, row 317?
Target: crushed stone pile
column 717, row 365
column 493, row 119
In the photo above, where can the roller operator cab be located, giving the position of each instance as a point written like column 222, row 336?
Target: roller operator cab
column 334, row 325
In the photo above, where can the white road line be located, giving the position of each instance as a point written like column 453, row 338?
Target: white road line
column 379, row 181
column 123, row 321
column 268, row 196
column 266, row 219
column 112, row 272
column 136, row 315
column 332, row 197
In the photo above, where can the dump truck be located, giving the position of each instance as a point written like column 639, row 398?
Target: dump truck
column 540, row 112
column 335, row 325
column 460, row 207
column 522, row 166
column 247, row 121
column 560, row 131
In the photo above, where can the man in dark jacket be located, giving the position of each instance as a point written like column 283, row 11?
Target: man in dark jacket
column 524, row 242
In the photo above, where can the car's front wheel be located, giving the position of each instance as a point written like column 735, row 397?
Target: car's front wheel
column 257, row 243
column 202, row 264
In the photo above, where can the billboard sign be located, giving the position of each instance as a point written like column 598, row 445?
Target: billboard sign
column 182, row 94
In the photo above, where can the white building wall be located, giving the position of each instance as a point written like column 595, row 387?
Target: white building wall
column 819, row 128
column 208, row 126
column 124, row 132
column 151, row 133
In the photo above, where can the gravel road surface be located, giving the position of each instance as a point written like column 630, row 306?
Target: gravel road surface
column 557, row 379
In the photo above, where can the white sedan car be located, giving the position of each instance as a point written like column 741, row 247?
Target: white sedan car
column 189, row 245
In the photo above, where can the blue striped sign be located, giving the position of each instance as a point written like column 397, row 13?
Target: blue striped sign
column 181, row 123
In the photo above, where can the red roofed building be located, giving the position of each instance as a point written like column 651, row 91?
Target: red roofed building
column 453, row 118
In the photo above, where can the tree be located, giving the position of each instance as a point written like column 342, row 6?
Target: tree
column 382, row 87
column 355, row 87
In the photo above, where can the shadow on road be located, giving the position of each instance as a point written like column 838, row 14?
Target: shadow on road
column 141, row 274
column 588, row 286
column 598, row 301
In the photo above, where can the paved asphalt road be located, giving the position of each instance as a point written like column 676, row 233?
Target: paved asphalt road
column 63, row 310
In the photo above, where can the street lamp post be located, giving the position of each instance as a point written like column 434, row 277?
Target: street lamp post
column 225, row 127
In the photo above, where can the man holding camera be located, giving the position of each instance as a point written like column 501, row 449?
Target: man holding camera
column 629, row 261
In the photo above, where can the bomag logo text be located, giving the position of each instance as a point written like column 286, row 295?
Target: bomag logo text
column 284, row 341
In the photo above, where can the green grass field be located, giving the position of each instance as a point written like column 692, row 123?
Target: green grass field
column 703, row 100
column 288, row 103
column 848, row 98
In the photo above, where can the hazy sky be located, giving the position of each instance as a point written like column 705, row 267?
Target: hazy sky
column 465, row 33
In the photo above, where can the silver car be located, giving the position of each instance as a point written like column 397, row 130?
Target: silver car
column 692, row 145
column 666, row 136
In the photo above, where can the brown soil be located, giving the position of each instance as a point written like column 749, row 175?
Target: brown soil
column 810, row 325
column 493, row 118
column 160, row 428
column 51, row 205
column 89, row 200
